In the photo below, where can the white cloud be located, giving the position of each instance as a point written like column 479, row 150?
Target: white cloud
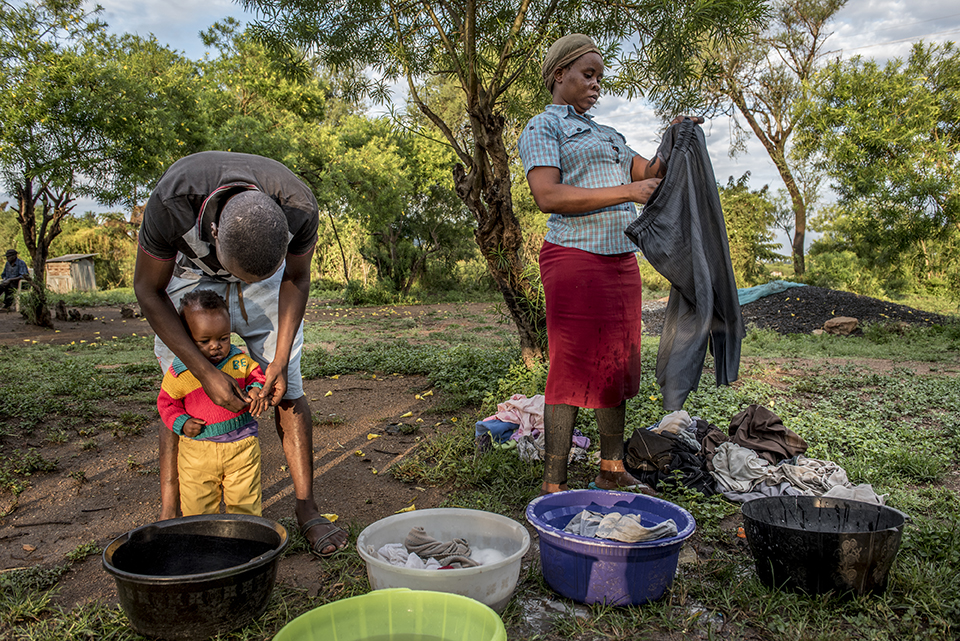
column 176, row 23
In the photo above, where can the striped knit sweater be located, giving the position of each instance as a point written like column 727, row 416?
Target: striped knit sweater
column 182, row 397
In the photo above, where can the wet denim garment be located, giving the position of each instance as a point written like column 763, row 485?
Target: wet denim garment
column 682, row 234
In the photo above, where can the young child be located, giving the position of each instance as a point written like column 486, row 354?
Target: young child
column 219, row 450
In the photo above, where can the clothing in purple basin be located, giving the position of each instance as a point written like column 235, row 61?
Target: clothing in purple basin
column 591, row 570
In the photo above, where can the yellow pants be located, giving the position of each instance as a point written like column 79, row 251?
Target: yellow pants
column 210, row 470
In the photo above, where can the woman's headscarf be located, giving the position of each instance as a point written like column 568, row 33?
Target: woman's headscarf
column 564, row 51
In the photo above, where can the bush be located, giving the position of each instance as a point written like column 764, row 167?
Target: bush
column 358, row 294
column 519, row 380
column 841, row 270
column 652, row 280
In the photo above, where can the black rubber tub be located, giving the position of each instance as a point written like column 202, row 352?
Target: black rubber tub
column 817, row 545
column 194, row 577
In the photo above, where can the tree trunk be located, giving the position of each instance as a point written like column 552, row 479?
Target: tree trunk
column 485, row 190
column 36, row 309
column 343, row 254
column 776, row 149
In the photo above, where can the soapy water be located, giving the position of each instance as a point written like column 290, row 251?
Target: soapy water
column 487, row 556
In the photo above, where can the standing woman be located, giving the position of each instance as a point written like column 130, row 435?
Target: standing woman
column 587, row 179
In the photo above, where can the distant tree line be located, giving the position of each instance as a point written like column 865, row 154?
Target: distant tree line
column 432, row 198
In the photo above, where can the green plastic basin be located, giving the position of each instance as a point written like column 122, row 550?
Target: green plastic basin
column 398, row 614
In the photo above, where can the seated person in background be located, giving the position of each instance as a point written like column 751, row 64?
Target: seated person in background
column 14, row 271
column 219, row 451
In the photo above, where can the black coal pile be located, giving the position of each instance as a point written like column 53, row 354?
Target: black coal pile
column 800, row 310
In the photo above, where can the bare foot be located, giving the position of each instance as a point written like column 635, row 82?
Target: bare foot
column 334, row 537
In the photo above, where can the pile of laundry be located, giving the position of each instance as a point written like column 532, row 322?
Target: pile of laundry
column 518, row 423
column 757, row 456
column 420, row 551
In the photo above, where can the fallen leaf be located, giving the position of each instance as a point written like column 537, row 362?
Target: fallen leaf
column 373, row 469
column 329, row 393
column 330, row 517
column 28, row 548
column 370, row 437
column 426, row 394
column 358, row 453
column 335, row 376
column 407, row 415
column 409, row 508
column 419, row 420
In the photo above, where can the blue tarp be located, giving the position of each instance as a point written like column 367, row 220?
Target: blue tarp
column 750, row 294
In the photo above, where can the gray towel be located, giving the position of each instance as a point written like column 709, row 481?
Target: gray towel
column 455, row 552
column 626, row 528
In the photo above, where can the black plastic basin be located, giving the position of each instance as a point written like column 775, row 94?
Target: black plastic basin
column 816, row 545
column 195, row 577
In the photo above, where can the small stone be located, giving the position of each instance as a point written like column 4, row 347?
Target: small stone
column 841, row 325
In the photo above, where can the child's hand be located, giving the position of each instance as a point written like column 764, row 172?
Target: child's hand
column 258, row 402
column 193, row 426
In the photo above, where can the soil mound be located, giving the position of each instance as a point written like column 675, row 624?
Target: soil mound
column 800, row 310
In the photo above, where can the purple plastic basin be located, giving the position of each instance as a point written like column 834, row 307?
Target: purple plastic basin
column 592, row 570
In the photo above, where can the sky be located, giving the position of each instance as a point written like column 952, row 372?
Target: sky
column 879, row 29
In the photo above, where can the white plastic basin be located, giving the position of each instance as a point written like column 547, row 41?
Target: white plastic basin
column 491, row 584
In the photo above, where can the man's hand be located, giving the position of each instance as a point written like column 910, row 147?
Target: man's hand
column 224, row 391
column 193, row 426
column 274, row 384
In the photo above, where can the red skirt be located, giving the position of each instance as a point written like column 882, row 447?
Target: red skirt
column 593, row 326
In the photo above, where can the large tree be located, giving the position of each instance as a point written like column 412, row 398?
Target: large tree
column 760, row 83
column 888, row 137
column 76, row 119
column 486, row 49
column 397, row 183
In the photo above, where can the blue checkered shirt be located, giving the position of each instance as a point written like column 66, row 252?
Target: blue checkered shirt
column 587, row 155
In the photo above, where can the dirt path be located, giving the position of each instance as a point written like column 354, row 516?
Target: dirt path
column 106, row 485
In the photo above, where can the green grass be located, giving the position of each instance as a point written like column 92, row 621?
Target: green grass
column 119, row 296
column 936, row 344
column 897, row 430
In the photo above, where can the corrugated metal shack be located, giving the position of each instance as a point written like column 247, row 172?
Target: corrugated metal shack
column 71, row 273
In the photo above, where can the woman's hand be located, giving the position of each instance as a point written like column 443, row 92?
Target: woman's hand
column 641, row 190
